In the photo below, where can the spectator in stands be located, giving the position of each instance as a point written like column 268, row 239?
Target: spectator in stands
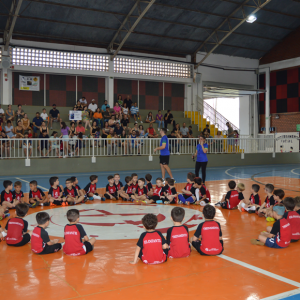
column 92, row 108
column 93, row 129
column 98, row 117
column 159, row 119
column 72, row 127
column 104, row 106
column 19, row 113
column 18, row 131
column 43, row 129
column 5, row 146
column 136, row 127
column 168, row 119
column 37, row 122
column 111, row 144
column 177, row 131
column 83, row 101
column 55, row 143
column 105, row 130
column 184, row 131
column 44, row 143
column 128, row 102
column 174, row 145
column 117, row 108
column 80, row 128
column 119, row 118
column 151, row 131
column 120, row 101
column 230, row 134
column 27, row 144
column 25, row 123
column 54, row 115
column 9, row 114
column 190, row 133
column 106, row 114
column 2, row 115
column 86, row 118
column 134, row 143
column 118, row 129
column 79, row 106
column 207, row 128
column 141, row 131
column 112, row 121
column 125, row 111
column 124, row 122
column 219, row 144
column 135, row 112
column 44, row 116
column 149, row 118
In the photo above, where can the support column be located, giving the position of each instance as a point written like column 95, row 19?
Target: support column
column 6, row 86
column 109, row 90
column 267, row 100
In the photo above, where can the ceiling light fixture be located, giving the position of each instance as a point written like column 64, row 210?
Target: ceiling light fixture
column 251, row 19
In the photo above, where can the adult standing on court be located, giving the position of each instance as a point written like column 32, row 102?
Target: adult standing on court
column 164, row 157
column 201, row 161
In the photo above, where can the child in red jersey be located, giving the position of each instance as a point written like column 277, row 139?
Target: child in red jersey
column 126, row 192
column 71, row 194
column 269, row 201
column 254, row 201
column 40, row 241
column 202, row 193
column 135, row 185
column 111, row 189
column 149, row 186
column 118, row 183
column 157, row 192
column 186, row 192
column 91, row 189
column 18, row 195
column 178, row 235
column 55, row 194
column 80, row 191
column 170, row 192
column 280, row 235
column 16, row 228
column 207, row 239
column 7, row 200
column 152, row 247
column 74, row 234
column 292, row 217
column 278, row 196
column 36, row 195
column 140, row 195
column 232, row 199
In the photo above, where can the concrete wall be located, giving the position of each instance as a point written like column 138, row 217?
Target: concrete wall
column 16, row 167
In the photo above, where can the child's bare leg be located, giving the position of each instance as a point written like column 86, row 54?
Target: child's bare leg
column 150, row 194
column 262, row 238
column 223, row 198
column 269, row 228
column 92, row 241
column 80, row 199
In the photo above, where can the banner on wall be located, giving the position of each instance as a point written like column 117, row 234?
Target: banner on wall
column 29, row 83
column 75, row 115
column 287, row 142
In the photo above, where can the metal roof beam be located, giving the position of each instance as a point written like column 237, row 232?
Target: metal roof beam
column 131, row 29
column 229, row 33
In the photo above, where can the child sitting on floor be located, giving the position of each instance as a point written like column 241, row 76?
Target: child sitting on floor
column 18, row 195
column 152, row 247
column 278, row 197
column 292, row 217
column 186, row 192
column 254, row 201
column 232, row 199
column 91, row 189
column 111, row 191
column 140, row 195
column 170, row 192
column 148, row 178
column 178, row 235
column 280, row 235
column 36, row 195
column 55, row 194
column 269, row 201
column 126, row 192
column 207, row 239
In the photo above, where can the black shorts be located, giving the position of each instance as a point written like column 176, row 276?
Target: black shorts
column 294, row 241
column 224, row 205
column 164, row 159
column 51, row 249
column 88, row 247
column 155, row 198
column 25, row 240
column 197, row 245
column 115, row 195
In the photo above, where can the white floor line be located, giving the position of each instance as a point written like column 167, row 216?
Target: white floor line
column 259, row 270
column 41, row 187
column 283, row 295
column 295, row 172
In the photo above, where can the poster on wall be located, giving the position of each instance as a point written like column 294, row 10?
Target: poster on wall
column 287, row 142
column 75, row 115
column 29, row 83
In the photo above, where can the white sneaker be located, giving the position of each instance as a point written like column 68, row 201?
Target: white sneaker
column 203, row 203
column 168, row 130
column 65, row 156
column 97, row 197
column 218, row 204
column 142, row 122
column 178, row 153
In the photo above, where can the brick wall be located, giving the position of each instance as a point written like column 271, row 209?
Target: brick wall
column 288, row 48
column 286, row 123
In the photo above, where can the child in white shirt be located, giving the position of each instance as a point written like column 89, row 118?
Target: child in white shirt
column 44, row 116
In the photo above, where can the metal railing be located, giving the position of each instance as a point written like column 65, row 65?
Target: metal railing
column 90, row 147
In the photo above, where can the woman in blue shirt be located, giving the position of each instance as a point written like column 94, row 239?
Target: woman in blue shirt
column 202, row 160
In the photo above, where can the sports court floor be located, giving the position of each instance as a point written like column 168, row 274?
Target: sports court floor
column 244, row 271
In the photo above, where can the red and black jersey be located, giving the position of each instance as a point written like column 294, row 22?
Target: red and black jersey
column 151, row 247
column 15, row 228
column 294, row 219
column 149, row 186
column 157, row 191
column 55, row 193
column 111, row 189
column 18, row 196
column 7, row 196
column 91, row 188
column 119, row 185
column 74, row 233
column 135, row 186
column 282, row 230
column 141, row 191
column 178, row 240
column 38, row 193
column 39, row 239
column 188, row 187
column 233, row 199
column 202, row 191
column 166, row 189
column 77, row 187
column 128, row 189
column 255, row 199
column 298, row 211
column 270, row 201
column 206, row 192
column 72, row 192
column 210, row 232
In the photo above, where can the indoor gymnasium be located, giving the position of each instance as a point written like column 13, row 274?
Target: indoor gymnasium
column 150, row 148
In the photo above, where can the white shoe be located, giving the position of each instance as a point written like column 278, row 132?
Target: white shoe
column 142, row 122
column 203, row 203
column 218, row 204
column 97, row 197
column 168, row 130
column 178, row 153
column 65, row 156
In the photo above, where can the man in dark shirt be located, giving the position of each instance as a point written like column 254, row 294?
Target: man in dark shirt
column 128, row 102
column 106, row 114
column 118, row 129
column 54, row 115
column 168, row 117
column 125, row 122
column 37, row 122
